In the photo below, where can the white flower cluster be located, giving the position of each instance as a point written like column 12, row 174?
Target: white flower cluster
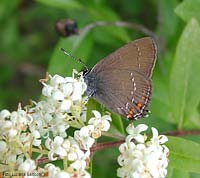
column 66, row 91
column 76, row 149
column 63, row 103
column 13, row 140
column 56, row 172
column 143, row 158
column 69, row 150
column 42, row 128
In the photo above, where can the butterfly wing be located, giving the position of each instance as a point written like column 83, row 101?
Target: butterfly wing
column 138, row 55
column 122, row 80
column 124, row 92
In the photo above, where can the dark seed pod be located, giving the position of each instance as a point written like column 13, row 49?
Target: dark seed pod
column 66, row 27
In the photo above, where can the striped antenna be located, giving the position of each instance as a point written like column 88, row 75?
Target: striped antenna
column 76, row 59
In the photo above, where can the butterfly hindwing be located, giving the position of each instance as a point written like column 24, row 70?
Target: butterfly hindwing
column 128, row 97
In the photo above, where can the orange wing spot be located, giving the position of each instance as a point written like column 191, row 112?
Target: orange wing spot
column 130, row 113
column 139, row 105
column 143, row 98
column 129, row 116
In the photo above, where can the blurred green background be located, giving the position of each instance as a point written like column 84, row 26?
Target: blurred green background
column 30, row 46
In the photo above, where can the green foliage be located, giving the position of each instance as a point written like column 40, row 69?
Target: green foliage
column 80, row 45
column 184, row 83
column 189, row 9
column 27, row 36
column 184, row 154
column 68, row 4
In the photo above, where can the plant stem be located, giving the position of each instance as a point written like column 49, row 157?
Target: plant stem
column 133, row 26
column 106, row 145
column 183, row 133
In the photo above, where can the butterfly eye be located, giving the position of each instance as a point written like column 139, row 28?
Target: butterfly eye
column 85, row 72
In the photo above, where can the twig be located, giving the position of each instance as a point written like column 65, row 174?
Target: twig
column 183, row 133
column 133, row 26
column 107, row 145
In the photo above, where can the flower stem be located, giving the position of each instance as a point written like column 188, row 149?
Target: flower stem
column 107, row 134
column 106, row 145
column 183, row 133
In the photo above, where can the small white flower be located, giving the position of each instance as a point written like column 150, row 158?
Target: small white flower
column 27, row 166
column 26, row 139
column 67, row 89
column 11, row 159
column 36, row 136
column 53, row 171
column 69, row 79
column 85, row 174
column 158, row 139
column 83, row 137
column 135, row 132
column 75, row 152
column 65, row 105
column 56, row 148
column 100, row 123
column 47, row 90
column 97, row 114
column 20, row 159
column 3, row 146
column 63, row 174
column 58, row 95
column 106, row 123
column 13, row 123
column 4, row 114
column 7, row 124
column 12, row 133
column 78, row 91
column 78, row 165
column 56, row 79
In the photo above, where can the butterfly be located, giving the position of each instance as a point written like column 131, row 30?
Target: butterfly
column 122, row 80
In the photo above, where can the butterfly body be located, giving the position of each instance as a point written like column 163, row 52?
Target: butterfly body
column 122, row 80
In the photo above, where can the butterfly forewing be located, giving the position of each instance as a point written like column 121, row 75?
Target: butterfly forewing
column 138, row 55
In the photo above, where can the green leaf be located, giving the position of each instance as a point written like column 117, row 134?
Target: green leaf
column 160, row 99
column 175, row 173
column 62, row 4
column 184, row 154
column 109, row 15
column 188, row 9
column 78, row 45
column 194, row 175
column 117, row 123
column 169, row 19
column 185, row 83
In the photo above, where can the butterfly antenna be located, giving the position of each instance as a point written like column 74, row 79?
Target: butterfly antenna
column 76, row 59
